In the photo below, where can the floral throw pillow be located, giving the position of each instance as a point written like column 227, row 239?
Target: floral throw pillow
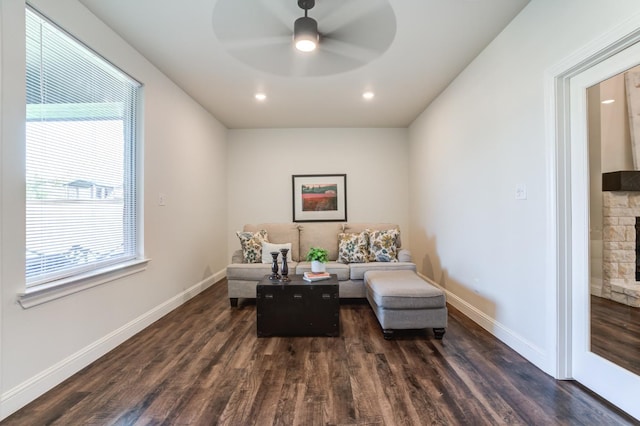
column 383, row 245
column 251, row 243
column 353, row 248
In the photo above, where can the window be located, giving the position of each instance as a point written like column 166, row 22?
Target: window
column 81, row 211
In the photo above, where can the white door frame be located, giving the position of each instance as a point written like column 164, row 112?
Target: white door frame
column 561, row 175
column 605, row 377
column 1, row 214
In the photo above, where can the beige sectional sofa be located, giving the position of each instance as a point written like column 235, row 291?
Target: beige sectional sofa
column 242, row 277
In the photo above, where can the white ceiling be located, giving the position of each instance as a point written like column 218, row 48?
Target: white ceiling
column 434, row 41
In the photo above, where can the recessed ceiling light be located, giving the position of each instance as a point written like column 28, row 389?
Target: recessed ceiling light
column 368, row 95
column 260, row 96
column 608, row 101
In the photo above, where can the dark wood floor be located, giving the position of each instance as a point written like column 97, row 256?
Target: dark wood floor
column 202, row 364
column 615, row 333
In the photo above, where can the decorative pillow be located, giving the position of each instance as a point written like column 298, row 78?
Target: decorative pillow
column 383, row 245
column 251, row 243
column 353, row 248
column 267, row 248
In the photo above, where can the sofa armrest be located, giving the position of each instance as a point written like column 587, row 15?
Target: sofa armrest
column 404, row 255
column 237, row 257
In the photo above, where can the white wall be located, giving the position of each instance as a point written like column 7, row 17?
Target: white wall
column 262, row 161
column 184, row 157
column 469, row 149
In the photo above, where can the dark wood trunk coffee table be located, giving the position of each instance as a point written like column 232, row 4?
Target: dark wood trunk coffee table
column 298, row 308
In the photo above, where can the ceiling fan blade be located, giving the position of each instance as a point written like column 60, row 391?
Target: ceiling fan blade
column 284, row 11
column 254, row 43
column 348, row 50
column 365, row 33
column 232, row 22
column 340, row 13
column 274, row 59
column 323, row 62
column 300, row 67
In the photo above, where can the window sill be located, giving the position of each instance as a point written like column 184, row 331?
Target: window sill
column 37, row 295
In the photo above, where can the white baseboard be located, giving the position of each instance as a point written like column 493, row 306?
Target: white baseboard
column 524, row 347
column 24, row 393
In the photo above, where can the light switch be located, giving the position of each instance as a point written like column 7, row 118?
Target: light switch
column 521, row 191
column 162, row 199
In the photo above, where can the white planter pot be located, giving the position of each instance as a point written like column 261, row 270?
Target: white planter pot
column 318, row 266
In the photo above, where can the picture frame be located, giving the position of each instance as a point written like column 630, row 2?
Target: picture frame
column 319, row 198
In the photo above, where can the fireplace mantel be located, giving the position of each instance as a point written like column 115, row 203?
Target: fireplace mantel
column 623, row 180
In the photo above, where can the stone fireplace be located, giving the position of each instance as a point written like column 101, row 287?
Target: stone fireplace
column 621, row 226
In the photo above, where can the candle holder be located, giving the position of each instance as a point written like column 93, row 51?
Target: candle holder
column 274, row 267
column 285, row 267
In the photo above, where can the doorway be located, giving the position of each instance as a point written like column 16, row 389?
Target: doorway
column 592, row 362
column 614, row 216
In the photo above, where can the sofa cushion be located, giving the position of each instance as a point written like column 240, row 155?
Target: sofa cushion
column 320, row 234
column 340, row 269
column 353, row 248
column 267, row 248
column 403, row 290
column 254, row 271
column 383, row 245
column 251, row 243
column 237, row 257
column 280, row 233
column 360, row 227
column 357, row 270
column 404, row 255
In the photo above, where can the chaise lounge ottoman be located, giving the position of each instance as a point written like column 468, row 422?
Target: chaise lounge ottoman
column 402, row 300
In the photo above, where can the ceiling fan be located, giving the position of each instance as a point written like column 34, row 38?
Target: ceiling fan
column 305, row 29
column 345, row 35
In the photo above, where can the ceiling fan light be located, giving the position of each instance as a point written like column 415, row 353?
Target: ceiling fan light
column 305, row 34
column 305, row 45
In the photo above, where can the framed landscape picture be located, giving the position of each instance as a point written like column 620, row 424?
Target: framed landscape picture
column 319, row 198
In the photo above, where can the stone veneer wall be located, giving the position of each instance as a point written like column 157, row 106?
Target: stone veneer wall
column 620, row 210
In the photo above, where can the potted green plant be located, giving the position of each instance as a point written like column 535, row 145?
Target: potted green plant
column 318, row 258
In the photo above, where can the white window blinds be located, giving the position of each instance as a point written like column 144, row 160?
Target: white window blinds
column 80, row 157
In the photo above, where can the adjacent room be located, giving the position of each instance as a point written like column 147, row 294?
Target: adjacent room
column 445, row 185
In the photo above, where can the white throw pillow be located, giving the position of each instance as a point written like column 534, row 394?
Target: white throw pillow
column 267, row 248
